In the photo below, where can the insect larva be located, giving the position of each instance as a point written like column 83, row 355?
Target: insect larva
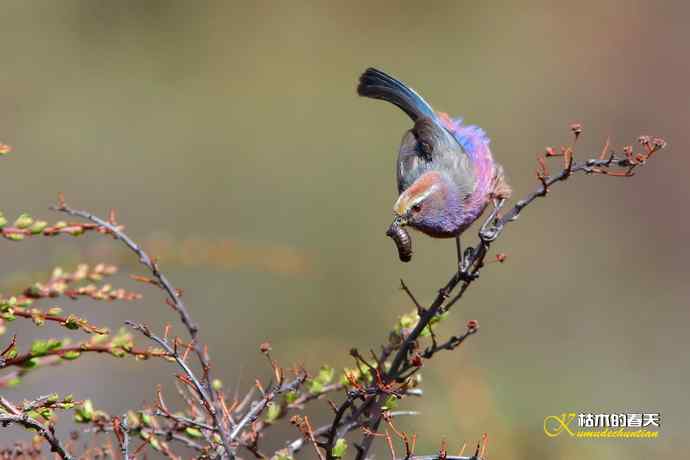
column 402, row 241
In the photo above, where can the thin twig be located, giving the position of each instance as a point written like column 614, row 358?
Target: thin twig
column 258, row 406
column 46, row 432
column 174, row 300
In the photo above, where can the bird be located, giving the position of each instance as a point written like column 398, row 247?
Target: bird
column 446, row 173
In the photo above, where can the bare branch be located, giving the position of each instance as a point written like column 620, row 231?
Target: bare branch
column 46, row 432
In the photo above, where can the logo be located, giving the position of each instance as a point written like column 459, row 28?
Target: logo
column 603, row 425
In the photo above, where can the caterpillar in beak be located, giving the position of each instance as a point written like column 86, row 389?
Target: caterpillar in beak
column 402, row 241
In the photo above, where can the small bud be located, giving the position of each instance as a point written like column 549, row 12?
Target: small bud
column 193, row 432
column 550, row 152
column 291, row 396
column 84, row 413
column 472, row 325
column 576, row 128
column 38, row 319
column 145, row 419
column 76, row 230
column 501, row 257
column 283, row 454
column 4, row 149
column 38, row 227
column 71, row 355
column 273, row 412
column 217, row 384
column 659, row 143
column 416, row 360
column 54, row 311
column 265, row 347
column 339, row 448
column 14, row 236
column 644, row 140
column 23, row 221
column 71, row 322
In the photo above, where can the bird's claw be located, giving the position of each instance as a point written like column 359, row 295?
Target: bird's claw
column 492, row 226
column 487, row 235
column 465, row 265
column 468, row 276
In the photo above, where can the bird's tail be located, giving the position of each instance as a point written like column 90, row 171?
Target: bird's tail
column 378, row 85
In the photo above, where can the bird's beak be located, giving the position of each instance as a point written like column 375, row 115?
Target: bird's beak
column 399, row 221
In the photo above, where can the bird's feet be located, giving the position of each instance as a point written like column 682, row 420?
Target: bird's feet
column 468, row 276
column 489, row 234
column 492, row 226
column 465, row 265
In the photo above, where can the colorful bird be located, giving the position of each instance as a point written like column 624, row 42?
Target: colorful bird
column 446, row 173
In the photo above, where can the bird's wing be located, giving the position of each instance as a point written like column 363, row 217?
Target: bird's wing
column 430, row 146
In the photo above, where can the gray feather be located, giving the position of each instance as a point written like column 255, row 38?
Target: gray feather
column 447, row 157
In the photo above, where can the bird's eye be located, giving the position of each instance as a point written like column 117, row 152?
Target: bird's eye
column 417, row 207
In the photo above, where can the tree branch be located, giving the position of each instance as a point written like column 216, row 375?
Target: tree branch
column 46, row 432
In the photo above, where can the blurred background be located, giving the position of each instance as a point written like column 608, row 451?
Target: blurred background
column 229, row 137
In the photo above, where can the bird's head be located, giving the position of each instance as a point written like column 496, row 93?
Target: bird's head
column 429, row 205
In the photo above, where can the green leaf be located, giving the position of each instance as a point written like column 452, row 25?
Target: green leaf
column 8, row 315
column 118, row 352
column 30, row 363
column 408, row 321
column 72, row 322
column 326, row 374
column 43, row 347
column 339, row 448
column 390, row 403
column 145, row 419
column 11, row 353
column 273, row 412
column 54, row 311
column 38, row 227
column 291, row 396
column 84, row 412
column 193, row 432
column 46, row 413
column 123, row 340
column 71, row 355
column 14, row 236
column 282, row 454
column 314, row 386
column 23, row 221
